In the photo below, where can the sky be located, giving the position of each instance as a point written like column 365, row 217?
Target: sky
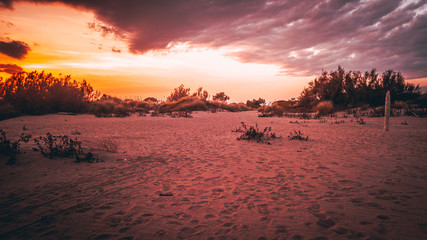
column 246, row 48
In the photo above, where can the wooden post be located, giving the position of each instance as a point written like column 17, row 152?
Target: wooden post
column 387, row 112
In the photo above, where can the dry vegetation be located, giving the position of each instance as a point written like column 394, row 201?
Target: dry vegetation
column 38, row 93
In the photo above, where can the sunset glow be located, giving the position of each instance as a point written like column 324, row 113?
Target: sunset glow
column 82, row 42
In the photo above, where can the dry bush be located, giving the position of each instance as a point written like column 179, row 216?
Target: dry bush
column 108, row 145
column 325, row 108
column 62, row 146
column 297, row 135
column 253, row 133
column 10, row 148
column 184, row 104
column 399, row 105
column 109, row 109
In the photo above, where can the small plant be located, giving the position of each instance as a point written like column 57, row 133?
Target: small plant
column 62, row 146
column 108, row 145
column 11, row 148
column 75, row 132
column 323, row 120
column 297, row 135
column 294, row 122
column 253, row 133
column 338, row 122
column 361, row 121
column 179, row 114
column 156, row 113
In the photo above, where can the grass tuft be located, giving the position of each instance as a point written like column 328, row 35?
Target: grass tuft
column 254, row 133
column 297, row 135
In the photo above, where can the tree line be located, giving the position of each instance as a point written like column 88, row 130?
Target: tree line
column 353, row 89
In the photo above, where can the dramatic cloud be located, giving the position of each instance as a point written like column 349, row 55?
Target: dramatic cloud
column 15, row 49
column 10, row 68
column 302, row 36
column 105, row 30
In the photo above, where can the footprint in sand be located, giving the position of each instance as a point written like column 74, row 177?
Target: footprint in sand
column 263, row 209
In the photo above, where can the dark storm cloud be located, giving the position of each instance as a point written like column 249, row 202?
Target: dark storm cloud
column 302, row 36
column 10, row 68
column 15, row 49
column 105, row 30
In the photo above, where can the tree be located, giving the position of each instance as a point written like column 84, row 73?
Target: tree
column 178, row 93
column 200, row 93
column 255, row 103
column 221, row 97
column 150, row 99
column 353, row 89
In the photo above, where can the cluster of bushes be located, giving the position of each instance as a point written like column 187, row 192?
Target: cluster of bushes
column 339, row 90
column 37, row 93
column 41, row 93
column 179, row 104
column 255, row 103
column 49, row 146
column 354, row 89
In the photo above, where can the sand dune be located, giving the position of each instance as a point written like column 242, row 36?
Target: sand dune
column 191, row 179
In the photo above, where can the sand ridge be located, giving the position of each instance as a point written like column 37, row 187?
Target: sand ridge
column 191, row 179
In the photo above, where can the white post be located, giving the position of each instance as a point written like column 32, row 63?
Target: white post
column 387, row 111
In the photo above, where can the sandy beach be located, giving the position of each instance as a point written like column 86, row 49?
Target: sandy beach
column 189, row 178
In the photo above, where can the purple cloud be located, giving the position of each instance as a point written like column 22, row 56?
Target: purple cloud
column 15, row 49
column 302, row 36
column 10, row 68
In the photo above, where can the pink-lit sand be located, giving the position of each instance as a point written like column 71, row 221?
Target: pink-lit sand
column 347, row 181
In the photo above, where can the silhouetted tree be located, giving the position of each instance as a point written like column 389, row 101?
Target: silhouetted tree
column 354, row 89
column 151, row 99
column 255, row 103
column 200, row 93
column 221, row 97
column 178, row 93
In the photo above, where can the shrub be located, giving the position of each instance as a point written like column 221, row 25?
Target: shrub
column 109, row 109
column 221, row 97
column 8, row 110
column 108, row 145
column 255, row 103
column 399, row 105
column 41, row 93
column 253, row 133
column 297, row 135
column 11, row 148
column 179, row 114
column 200, row 93
column 178, row 93
column 361, row 121
column 184, row 104
column 151, row 99
column 62, row 146
column 325, row 108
